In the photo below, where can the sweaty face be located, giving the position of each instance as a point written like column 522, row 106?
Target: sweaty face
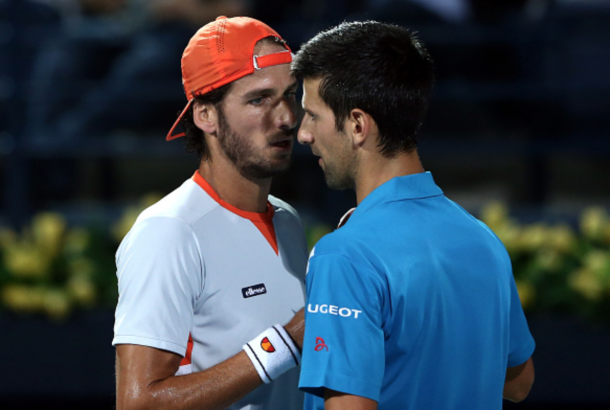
column 256, row 123
column 318, row 130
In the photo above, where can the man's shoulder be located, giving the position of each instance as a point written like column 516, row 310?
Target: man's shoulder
column 344, row 242
column 188, row 203
column 168, row 221
column 368, row 232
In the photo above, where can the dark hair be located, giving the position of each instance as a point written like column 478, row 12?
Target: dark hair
column 194, row 140
column 380, row 68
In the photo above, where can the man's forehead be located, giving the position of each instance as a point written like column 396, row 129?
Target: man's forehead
column 311, row 87
column 277, row 77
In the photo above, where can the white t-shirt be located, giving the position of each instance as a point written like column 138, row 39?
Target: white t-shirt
column 199, row 278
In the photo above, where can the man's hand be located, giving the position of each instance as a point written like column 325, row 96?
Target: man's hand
column 296, row 328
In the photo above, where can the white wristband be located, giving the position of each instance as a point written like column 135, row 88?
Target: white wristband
column 272, row 353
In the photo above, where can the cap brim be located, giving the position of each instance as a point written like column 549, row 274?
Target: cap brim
column 170, row 135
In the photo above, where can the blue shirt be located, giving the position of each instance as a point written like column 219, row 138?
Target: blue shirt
column 412, row 304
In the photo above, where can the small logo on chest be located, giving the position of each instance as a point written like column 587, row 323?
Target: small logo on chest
column 254, row 290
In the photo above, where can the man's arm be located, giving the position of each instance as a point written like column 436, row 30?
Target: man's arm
column 334, row 400
column 518, row 382
column 146, row 378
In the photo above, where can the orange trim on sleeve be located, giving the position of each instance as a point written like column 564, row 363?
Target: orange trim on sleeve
column 263, row 221
column 186, row 360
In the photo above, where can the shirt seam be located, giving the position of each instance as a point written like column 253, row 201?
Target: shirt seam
column 323, row 383
column 377, row 204
column 412, row 198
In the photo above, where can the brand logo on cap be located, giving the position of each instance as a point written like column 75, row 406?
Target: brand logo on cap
column 254, row 290
column 267, row 346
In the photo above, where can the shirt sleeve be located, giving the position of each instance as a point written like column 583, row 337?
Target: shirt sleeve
column 160, row 276
column 521, row 342
column 343, row 347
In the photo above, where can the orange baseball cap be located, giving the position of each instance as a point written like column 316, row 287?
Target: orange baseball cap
column 221, row 52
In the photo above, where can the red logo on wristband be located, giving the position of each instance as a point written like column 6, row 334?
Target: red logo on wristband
column 267, row 346
column 320, row 344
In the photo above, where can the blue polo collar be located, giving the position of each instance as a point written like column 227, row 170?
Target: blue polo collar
column 415, row 186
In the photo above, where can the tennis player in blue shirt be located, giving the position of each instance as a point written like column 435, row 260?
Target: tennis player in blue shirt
column 411, row 303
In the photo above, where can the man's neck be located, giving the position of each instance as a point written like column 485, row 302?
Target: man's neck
column 234, row 188
column 375, row 170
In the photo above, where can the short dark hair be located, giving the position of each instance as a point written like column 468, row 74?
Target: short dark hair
column 194, row 140
column 380, row 68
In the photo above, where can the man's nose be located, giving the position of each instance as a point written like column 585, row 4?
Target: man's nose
column 286, row 117
column 304, row 136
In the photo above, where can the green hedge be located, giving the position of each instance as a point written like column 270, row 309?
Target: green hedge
column 52, row 269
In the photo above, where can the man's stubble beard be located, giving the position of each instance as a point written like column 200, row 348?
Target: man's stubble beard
column 240, row 151
column 339, row 172
column 338, row 181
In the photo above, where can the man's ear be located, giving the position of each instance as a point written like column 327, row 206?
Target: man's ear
column 359, row 125
column 205, row 117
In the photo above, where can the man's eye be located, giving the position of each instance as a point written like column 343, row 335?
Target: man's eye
column 257, row 101
column 291, row 94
